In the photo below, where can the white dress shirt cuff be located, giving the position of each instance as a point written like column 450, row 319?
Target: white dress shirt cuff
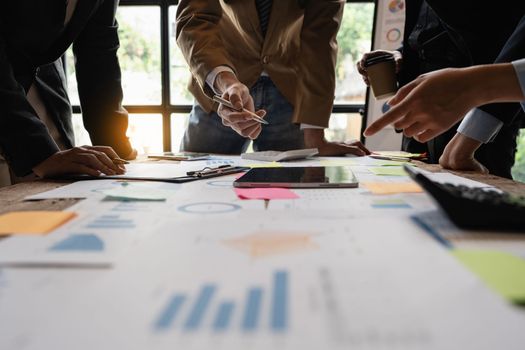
column 210, row 78
column 480, row 125
column 519, row 67
column 310, row 126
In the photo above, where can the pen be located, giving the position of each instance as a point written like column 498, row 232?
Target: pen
column 209, row 170
column 228, row 104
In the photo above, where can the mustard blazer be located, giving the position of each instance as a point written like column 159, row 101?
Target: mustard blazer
column 299, row 51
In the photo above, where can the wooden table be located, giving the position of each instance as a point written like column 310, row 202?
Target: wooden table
column 12, row 197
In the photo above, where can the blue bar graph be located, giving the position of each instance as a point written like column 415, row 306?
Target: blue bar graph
column 224, row 315
column 205, row 312
column 279, row 316
column 111, row 221
column 127, row 207
column 253, row 309
column 198, row 311
column 168, row 316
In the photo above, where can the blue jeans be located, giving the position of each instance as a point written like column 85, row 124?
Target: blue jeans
column 205, row 132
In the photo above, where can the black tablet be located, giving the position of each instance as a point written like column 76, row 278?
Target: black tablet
column 299, row 177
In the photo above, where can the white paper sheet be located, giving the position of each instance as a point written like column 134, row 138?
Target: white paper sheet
column 360, row 284
column 96, row 188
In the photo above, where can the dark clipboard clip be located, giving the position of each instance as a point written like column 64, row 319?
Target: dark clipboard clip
column 218, row 171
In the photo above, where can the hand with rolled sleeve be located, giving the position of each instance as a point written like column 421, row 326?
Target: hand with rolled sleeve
column 230, row 88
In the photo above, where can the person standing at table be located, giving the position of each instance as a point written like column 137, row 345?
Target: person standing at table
column 431, row 44
column 451, row 93
column 36, row 134
column 273, row 57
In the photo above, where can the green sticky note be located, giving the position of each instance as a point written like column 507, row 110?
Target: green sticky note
column 392, row 163
column 503, row 272
column 135, row 193
column 389, row 171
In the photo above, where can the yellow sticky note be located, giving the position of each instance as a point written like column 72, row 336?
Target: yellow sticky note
column 503, row 272
column 389, row 171
column 33, row 222
column 392, row 187
column 266, row 165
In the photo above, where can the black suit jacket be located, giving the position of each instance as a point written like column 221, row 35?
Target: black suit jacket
column 514, row 49
column 459, row 34
column 485, row 31
column 32, row 39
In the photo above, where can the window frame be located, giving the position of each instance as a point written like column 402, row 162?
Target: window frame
column 166, row 108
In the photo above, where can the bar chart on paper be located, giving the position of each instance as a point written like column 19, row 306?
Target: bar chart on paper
column 110, row 221
column 204, row 311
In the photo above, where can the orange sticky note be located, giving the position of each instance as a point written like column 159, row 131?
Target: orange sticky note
column 33, row 222
column 392, row 187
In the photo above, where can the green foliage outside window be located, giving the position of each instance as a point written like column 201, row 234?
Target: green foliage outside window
column 356, row 30
column 136, row 53
column 518, row 171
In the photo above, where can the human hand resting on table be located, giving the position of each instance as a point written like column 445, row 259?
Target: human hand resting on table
column 89, row 160
column 314, row 138
column 459, row 155
column 239, row 95
column 398, row 58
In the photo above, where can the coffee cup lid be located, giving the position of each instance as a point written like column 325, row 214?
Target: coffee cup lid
column 378, row 59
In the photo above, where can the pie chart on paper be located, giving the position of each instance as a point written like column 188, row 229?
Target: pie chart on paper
column 395, row 6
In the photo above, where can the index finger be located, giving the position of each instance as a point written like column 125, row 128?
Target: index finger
column 394, row 114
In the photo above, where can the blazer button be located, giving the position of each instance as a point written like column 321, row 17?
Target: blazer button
column 265, row 59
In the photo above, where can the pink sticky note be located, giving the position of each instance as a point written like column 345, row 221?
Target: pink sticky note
column 265, row 193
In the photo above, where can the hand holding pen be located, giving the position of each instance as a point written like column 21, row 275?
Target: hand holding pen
column 236, row 107
column 228, row 104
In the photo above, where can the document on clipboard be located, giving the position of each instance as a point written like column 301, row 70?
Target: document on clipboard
column 163, row 172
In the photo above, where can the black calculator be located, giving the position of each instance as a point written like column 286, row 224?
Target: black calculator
column 475, row 208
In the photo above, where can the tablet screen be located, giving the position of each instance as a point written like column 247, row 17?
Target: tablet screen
column 298, row 177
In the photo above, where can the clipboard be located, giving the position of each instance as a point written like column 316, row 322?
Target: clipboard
column 205, row 173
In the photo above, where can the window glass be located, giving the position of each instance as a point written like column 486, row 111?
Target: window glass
column 354, row 39
column 139, row 57
column 179, row 122
column 139, row 54
column 145, row 132
column 344, row 127
column 179, row 71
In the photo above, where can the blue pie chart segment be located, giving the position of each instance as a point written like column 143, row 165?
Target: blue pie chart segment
column 79, row 242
